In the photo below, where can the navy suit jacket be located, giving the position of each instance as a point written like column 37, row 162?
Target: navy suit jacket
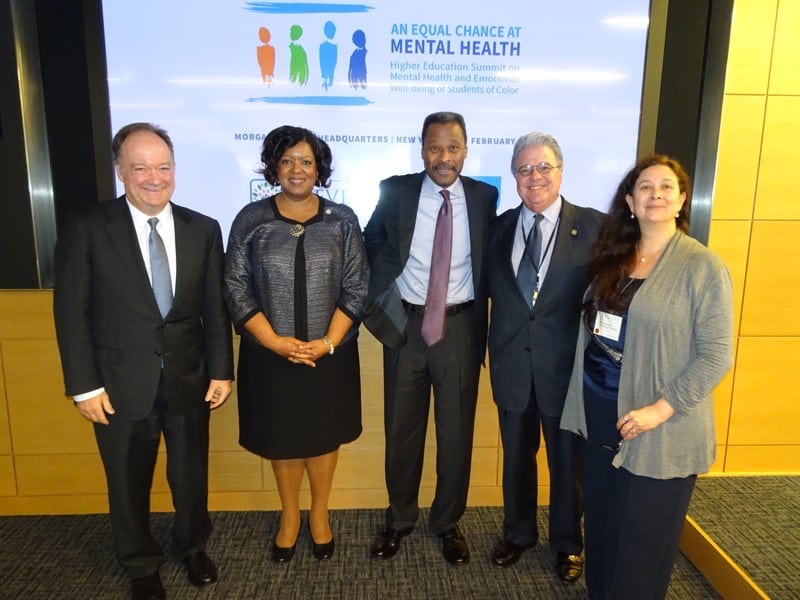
column 387, row 237
column 536, row 346
column 109, row 329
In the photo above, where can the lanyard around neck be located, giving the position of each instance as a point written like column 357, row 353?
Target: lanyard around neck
column 546, row 248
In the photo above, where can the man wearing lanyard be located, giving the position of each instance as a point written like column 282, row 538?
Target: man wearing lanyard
column 537, row 263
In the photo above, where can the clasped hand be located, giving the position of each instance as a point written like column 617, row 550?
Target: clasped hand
column 300, row 352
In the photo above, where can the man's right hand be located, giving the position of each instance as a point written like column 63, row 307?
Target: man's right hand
column 96, row 408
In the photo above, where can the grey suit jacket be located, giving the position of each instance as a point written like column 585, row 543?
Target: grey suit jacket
column 536, row 346
column 109, row 330
column 387, row 237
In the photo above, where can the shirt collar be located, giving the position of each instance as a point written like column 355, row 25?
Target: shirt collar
column 429, row 186
column 550, row 214
column 140, row 218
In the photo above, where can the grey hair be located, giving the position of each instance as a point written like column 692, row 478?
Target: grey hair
column 536, row 138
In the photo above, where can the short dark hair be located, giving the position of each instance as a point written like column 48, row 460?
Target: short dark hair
column 280, row 139
column 130, row 128
column 443, row 118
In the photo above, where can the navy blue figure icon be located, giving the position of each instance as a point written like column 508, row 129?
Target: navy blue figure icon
column 357, row 74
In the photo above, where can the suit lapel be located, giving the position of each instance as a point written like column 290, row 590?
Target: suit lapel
column 407, row 205
column 122, row 236
column 185, row 250
column 562, row 251
column 506, row 247
column 475, row 217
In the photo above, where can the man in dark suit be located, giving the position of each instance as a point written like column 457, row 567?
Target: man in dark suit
column 538, row 263
column 141, row 360
column 427, row 304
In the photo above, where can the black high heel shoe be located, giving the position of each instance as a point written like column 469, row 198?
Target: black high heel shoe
column 321, row 551
column 281, row 554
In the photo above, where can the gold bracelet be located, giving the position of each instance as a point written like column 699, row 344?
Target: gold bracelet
column 327, row 340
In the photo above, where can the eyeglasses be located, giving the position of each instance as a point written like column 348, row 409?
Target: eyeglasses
column 542, row 168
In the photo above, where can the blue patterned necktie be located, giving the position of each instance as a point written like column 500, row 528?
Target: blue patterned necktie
column 159, row 269
column 433, row 319
column 528, row 271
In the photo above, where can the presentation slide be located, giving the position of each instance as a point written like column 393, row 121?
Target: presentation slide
column 218, row 75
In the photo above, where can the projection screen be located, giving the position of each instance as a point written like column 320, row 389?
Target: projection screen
column 219, row 75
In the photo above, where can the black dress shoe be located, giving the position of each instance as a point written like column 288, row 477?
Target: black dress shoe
column 387, row 542
column 200, row 569
column 454, row 546
column 506, row 553
column 147, row 588
column 281, row 554
column 322, row 551
column 569, row 566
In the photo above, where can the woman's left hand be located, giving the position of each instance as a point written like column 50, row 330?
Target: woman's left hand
column 309, row 352
column 636, row 422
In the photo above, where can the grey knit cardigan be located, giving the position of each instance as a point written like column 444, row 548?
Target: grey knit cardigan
column 678, row 345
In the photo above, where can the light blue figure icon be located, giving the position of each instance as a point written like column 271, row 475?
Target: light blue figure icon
column 298, row 59
column 328, row 54
column 357, row 75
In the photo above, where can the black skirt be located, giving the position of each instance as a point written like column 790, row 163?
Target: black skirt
column 296, row 411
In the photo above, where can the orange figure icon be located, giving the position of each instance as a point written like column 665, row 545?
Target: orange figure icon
column 266, row 56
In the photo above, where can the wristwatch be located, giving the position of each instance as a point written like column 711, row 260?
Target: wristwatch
column 327, row 340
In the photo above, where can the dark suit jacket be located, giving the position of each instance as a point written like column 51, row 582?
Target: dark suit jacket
column 110, row 332
column 537, row 346
column 388, row 240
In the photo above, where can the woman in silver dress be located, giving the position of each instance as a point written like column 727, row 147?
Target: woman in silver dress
column 295, row 279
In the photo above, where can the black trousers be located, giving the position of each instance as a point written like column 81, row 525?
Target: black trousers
column 633, row 526
column 128, row 450
column 520, row 433
column 451, row 370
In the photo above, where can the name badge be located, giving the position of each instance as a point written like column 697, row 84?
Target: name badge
column 607, row 325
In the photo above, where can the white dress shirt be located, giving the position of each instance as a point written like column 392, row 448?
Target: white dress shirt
column 413, row 281
column 547, row 231
column 166, row 229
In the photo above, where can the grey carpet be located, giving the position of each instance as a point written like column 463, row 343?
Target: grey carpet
column 756, row 520
column 72, row 557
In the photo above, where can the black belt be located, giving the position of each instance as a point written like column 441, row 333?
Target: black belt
column 451, row 310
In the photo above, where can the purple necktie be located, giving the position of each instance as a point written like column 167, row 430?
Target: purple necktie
column 433, row 319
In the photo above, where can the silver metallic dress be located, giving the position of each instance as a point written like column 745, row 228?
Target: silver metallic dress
column 297, row 274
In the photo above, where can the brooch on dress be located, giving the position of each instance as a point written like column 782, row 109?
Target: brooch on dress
column 297, row 230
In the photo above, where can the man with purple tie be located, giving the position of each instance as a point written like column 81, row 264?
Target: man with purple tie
column 427, row 305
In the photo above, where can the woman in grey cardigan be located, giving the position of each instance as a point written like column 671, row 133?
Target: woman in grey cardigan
column 656, row 338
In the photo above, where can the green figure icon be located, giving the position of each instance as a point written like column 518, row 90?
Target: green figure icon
column 298, row 59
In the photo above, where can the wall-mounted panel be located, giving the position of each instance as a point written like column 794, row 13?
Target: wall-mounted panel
column 751, row 47
column 764, row 411
column 763, row 460
column 43, row 420
column 737, row 159
column 772, row 290
column 731, row 240
column 785, row 75
column 5, row 427
column 777, row 178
